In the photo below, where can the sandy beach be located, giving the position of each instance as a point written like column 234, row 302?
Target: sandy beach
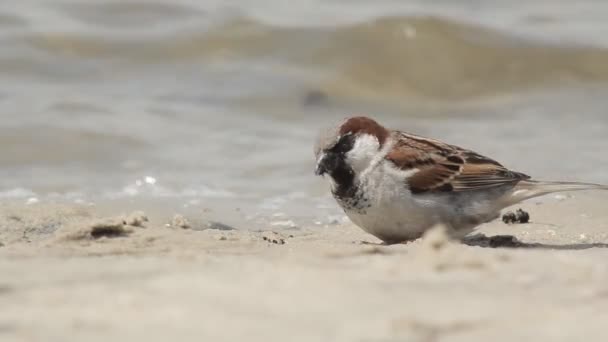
column 154, row 280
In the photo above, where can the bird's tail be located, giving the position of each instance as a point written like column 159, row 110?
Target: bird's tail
column 529, row 189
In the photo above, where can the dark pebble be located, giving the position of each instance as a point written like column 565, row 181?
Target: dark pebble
column 519, row 216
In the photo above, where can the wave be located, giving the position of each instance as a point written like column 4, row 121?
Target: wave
column 390, row 57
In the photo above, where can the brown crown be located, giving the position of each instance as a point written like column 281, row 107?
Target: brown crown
column 362, row 124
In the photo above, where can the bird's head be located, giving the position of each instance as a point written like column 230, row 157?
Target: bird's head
column 346, row 149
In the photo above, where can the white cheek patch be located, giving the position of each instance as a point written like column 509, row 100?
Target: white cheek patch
column 363, row 152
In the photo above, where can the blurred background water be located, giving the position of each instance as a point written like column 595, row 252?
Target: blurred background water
column 209, row 103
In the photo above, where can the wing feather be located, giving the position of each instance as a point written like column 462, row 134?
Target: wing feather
column 442, row 167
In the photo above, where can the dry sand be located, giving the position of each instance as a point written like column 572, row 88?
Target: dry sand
column 151, row 282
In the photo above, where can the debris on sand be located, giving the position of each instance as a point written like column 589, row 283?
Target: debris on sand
column 440, row 254
column 219, row 226
column 136, row 219
column 95, row 229
column 436, row 237
column 197, row 224
column 179, row 221
column 273, row 237
column 109, row 228
column 520, row 216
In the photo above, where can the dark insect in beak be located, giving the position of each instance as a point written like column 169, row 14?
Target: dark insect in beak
column 326, row 163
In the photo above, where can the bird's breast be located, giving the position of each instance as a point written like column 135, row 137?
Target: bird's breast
column 382, row 205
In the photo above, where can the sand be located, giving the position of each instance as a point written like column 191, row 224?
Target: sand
column 153, row 276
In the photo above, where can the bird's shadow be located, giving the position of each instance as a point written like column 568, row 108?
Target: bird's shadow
column 510, row 241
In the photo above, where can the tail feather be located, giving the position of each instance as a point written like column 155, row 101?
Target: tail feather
column 529, row 188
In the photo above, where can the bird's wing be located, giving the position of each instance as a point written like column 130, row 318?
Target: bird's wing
column 447, row 168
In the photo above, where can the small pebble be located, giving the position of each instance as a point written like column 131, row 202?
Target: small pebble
column 136, row 219
column 179, row 221
column 509, row 217
column 520, row 216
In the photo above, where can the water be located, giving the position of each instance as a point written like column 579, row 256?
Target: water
column 217, row 103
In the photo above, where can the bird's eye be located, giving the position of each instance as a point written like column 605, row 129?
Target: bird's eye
column 344, row 144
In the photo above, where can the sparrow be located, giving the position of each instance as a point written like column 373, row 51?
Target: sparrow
column 397, row 185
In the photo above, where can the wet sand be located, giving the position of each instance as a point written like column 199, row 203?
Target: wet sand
column 152, row 281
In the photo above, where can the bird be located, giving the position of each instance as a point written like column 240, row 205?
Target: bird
column 397, row 185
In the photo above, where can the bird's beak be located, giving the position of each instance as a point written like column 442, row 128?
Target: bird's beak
column 325, row 164
column 321, row 169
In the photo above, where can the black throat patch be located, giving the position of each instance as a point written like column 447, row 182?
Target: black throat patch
column 344, row 177
column 342, row 174
column 347, row 191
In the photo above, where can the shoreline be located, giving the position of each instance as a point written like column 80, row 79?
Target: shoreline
column 153, row 282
